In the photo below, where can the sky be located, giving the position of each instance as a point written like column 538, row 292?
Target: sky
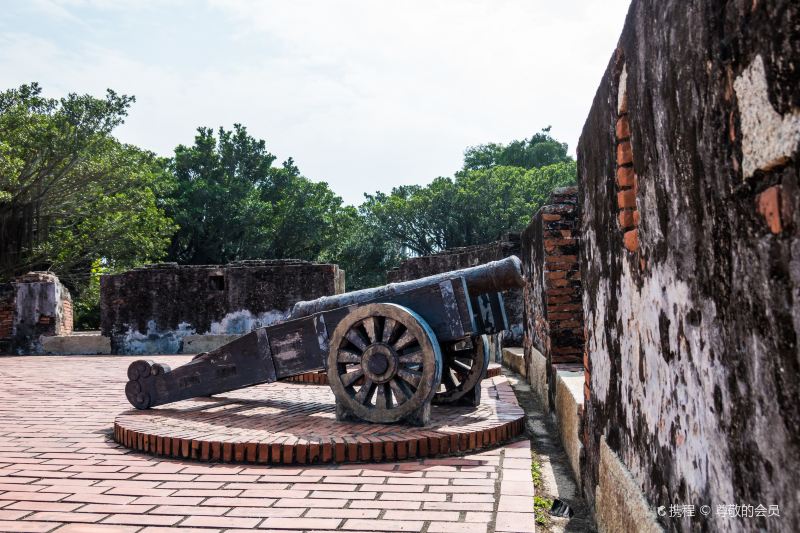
column 365, row 95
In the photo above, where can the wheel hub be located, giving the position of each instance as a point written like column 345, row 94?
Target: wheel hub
column 379, row 362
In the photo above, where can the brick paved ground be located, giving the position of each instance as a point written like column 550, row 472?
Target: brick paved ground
column 60, row 471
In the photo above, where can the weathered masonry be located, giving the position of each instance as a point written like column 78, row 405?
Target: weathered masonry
column 690, row 256
column 33, row 306
column 155, row 309
column 553, row 308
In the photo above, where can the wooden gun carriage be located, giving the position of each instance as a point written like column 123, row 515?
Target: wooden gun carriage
column 388, row 351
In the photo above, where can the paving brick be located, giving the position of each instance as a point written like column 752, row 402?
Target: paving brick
column 158, row 529
column 43, row 506
column 283, row 512
column 190, row 510
column 343, row 513
column 457, row 527
column 96, row 528
column 296, row 502
column 25, row 527
column 301, row 523
column 220, row 521
column 382, row 525
column 443, row 516
column 515, row 522
column 142, row 520
column 48, row 516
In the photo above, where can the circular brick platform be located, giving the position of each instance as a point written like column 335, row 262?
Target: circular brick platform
column 285, row 423
column 321, row 377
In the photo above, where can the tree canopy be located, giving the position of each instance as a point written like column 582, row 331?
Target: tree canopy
column 231, row 203
column 70, row 193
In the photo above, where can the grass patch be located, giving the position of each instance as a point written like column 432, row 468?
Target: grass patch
column 541, row 509
column 541, row 505
column 536, row 471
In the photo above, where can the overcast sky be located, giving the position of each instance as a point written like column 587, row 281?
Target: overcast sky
column 365, row 95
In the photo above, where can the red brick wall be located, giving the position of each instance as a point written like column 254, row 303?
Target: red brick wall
column 66, row 317
column 6, row 312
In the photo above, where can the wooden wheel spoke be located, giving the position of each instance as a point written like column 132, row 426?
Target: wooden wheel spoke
column 382, row 398
column 405, row 340
column 410, row 376
column 413, row 358
column 356, row 339
column 389, row 326
column 351, row 377
column 400, row 393
column 447, row 380
column 458, row 366
column 346, row 356
column 365, row 392
column 371, row 327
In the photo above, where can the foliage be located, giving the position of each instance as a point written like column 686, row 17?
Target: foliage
column 477, row 206
column 363, row 251
column 232, row 204
column 538, row 151
column 70, row 193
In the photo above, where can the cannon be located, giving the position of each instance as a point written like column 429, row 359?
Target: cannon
column 389, row 351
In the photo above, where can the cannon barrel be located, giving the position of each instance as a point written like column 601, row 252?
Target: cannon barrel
column 495, row 276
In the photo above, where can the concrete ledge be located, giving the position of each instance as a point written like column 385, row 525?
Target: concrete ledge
column 619, row 504
column 514, row 359
column 569, row 411
column 193, row 344
column 76, row 344
column 537, row 375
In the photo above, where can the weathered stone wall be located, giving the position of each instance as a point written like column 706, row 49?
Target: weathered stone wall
column 151, row 309
column 553, row 308
column 469, row 256
column 688, row 169
column 33, row 306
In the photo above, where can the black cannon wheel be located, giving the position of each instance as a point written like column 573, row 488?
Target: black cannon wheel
column 395, row 356
column 464, row 368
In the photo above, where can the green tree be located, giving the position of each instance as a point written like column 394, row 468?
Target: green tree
column 538, row 151
column 70, row 193
column 475, row 207
column 231, row 203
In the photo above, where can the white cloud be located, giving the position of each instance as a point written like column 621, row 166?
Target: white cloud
column 365, row 95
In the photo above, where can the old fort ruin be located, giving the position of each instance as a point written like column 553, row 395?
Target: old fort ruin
column 659, row 320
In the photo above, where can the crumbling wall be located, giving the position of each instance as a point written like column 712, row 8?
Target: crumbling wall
column 34, row 305
column 151, row 309
column 688, row 170
column 553, row 309
column 469, row 256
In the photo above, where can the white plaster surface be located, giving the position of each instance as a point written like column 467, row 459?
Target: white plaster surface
column 768, row 138
column 241, row 322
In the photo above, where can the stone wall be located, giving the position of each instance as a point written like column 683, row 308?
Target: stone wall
column 151, row 309
column 33, row 306
column 553, row 308
column 469, row 256
column 688, row 168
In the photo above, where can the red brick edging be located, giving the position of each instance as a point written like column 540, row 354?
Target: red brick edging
column 298, row 427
